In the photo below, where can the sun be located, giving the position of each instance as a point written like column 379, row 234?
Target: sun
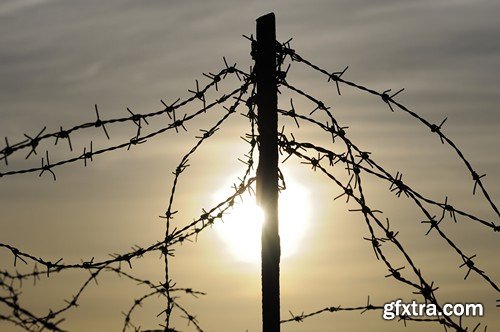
column 241, row 228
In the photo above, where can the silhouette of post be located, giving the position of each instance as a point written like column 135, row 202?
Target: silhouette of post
column 267, row 171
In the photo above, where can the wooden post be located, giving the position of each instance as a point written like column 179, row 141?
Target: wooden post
column 267, row 171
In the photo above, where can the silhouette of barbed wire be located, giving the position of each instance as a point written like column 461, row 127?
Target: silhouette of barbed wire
column 207, row 219
column 354, row 161
column 338, row 131
column 176, row 236
column 362, row 309
column 285, row 50
column 136, row 119
column 355, row 167
column 422, row 287
column 138, row 139
column 183, row 164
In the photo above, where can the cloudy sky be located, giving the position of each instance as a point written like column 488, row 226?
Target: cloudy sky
column 59, row 58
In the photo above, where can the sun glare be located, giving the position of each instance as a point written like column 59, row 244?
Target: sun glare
column 241, row 228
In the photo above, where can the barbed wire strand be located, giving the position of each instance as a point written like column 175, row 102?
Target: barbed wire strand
column 340, row 132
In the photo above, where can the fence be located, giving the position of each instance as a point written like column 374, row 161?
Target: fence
column 340, row 153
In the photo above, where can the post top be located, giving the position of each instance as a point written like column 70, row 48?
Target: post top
column 266, row 18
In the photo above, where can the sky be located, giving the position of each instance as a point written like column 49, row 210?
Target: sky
column 59, row 58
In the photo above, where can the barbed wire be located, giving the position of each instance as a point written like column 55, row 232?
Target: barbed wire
column 362, row 309
column 422, row 287
column 396, row 183
column 398, row 186
column 207, row 218
column 354, row 161
column 87, row 155
column 136, row 119
column 179, row 170
column 285, row 50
